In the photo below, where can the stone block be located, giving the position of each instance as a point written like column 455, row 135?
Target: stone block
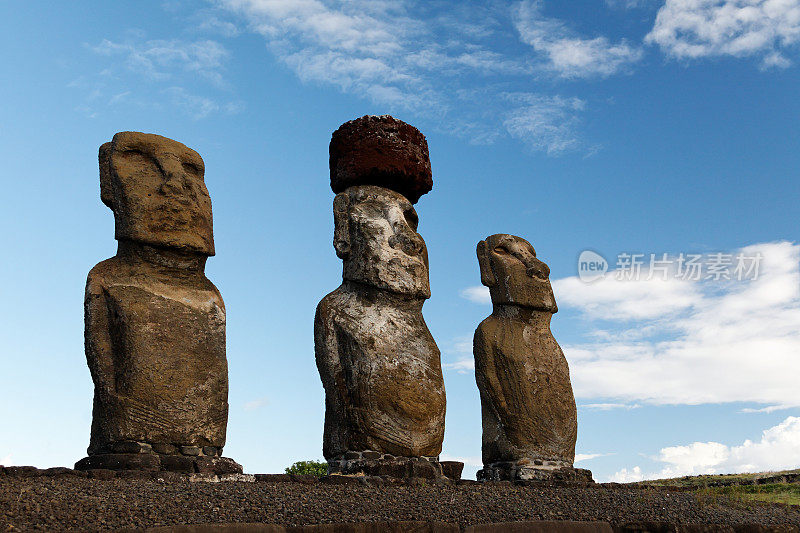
column 120, row 461
column 452, row 469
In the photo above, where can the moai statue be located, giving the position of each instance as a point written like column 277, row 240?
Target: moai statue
column 154, row 324
column 528, row 408
column 379, row 364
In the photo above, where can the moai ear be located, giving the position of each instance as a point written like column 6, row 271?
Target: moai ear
column 341, row 225
column 487, row 276
column 106, row 191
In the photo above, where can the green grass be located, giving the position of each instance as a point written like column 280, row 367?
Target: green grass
column 708, row 487
column 772, row 493
column 710, row 480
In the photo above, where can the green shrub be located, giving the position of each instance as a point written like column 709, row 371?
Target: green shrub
column 309, row 468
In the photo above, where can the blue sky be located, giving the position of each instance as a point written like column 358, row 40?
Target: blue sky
column 618, row 126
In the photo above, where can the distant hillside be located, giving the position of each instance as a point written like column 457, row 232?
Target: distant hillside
column 775, row 487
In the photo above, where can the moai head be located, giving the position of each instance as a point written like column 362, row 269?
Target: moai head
column 155, row 188
column 514, row 275
column 379, row 168
column 375, row 233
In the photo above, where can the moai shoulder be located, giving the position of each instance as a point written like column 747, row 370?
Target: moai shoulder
column 154, row 323
column 527, row 403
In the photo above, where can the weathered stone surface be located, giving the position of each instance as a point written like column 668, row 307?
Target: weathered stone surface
column 452, row 469
column 58, row 471
column 383, row 151
column 127, row 446
column 156, row 189
column 379, row 364
column 101, row 473
column 155, row 325
column 177, row 463
column 190, row 450
column 120, row 461
column 394, row 467
column 217, row 465
column 527, row 404
column 165, row 449
column 22, row 471
column 523, row 475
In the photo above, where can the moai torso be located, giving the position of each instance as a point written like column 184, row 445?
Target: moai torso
column 156, row 336
column 527, row 404
column 154, row 324
column 379, row 364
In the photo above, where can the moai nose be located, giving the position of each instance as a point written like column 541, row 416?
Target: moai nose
column 410, row 244
column 536, row 268
column 175, row 176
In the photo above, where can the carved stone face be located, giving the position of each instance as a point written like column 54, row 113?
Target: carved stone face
column 376, row 236
column 155, row 187
column 514, row 275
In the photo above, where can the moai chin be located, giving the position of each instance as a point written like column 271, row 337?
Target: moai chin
column 154, row 324
column 528, row 408
column 379, row 364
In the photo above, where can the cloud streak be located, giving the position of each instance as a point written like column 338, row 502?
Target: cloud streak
column 161, row 75
column 449, row 70
column 567, row 54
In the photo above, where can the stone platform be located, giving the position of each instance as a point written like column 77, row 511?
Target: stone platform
column 161, row 457
column 61, row 499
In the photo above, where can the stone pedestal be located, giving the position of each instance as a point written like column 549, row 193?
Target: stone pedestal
column 547, row 471
column 372, row 463
column 143, row 456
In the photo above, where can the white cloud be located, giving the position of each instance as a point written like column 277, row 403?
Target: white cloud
column 462, row 365
column 691, row 342
column 6, row 461
column 628, row 4
column 478, row 294
column 468, row 461
column 778, row 449
column 253, row 405
column 358, row 46
column 738, row 28
column 610, row 299
column 461, row 347
column 625, row 476
column 443, row 66
column 545, row 123
column 210, row 23
column 609, row 406
column 768, row 409
column 566, row 53
column 196, row 106
column 588, row 456
column 159, row 59
column 155, row 74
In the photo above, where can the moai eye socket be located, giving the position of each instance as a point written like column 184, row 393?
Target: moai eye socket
column 411, row 218
column 190, row 168
column 500, row 250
